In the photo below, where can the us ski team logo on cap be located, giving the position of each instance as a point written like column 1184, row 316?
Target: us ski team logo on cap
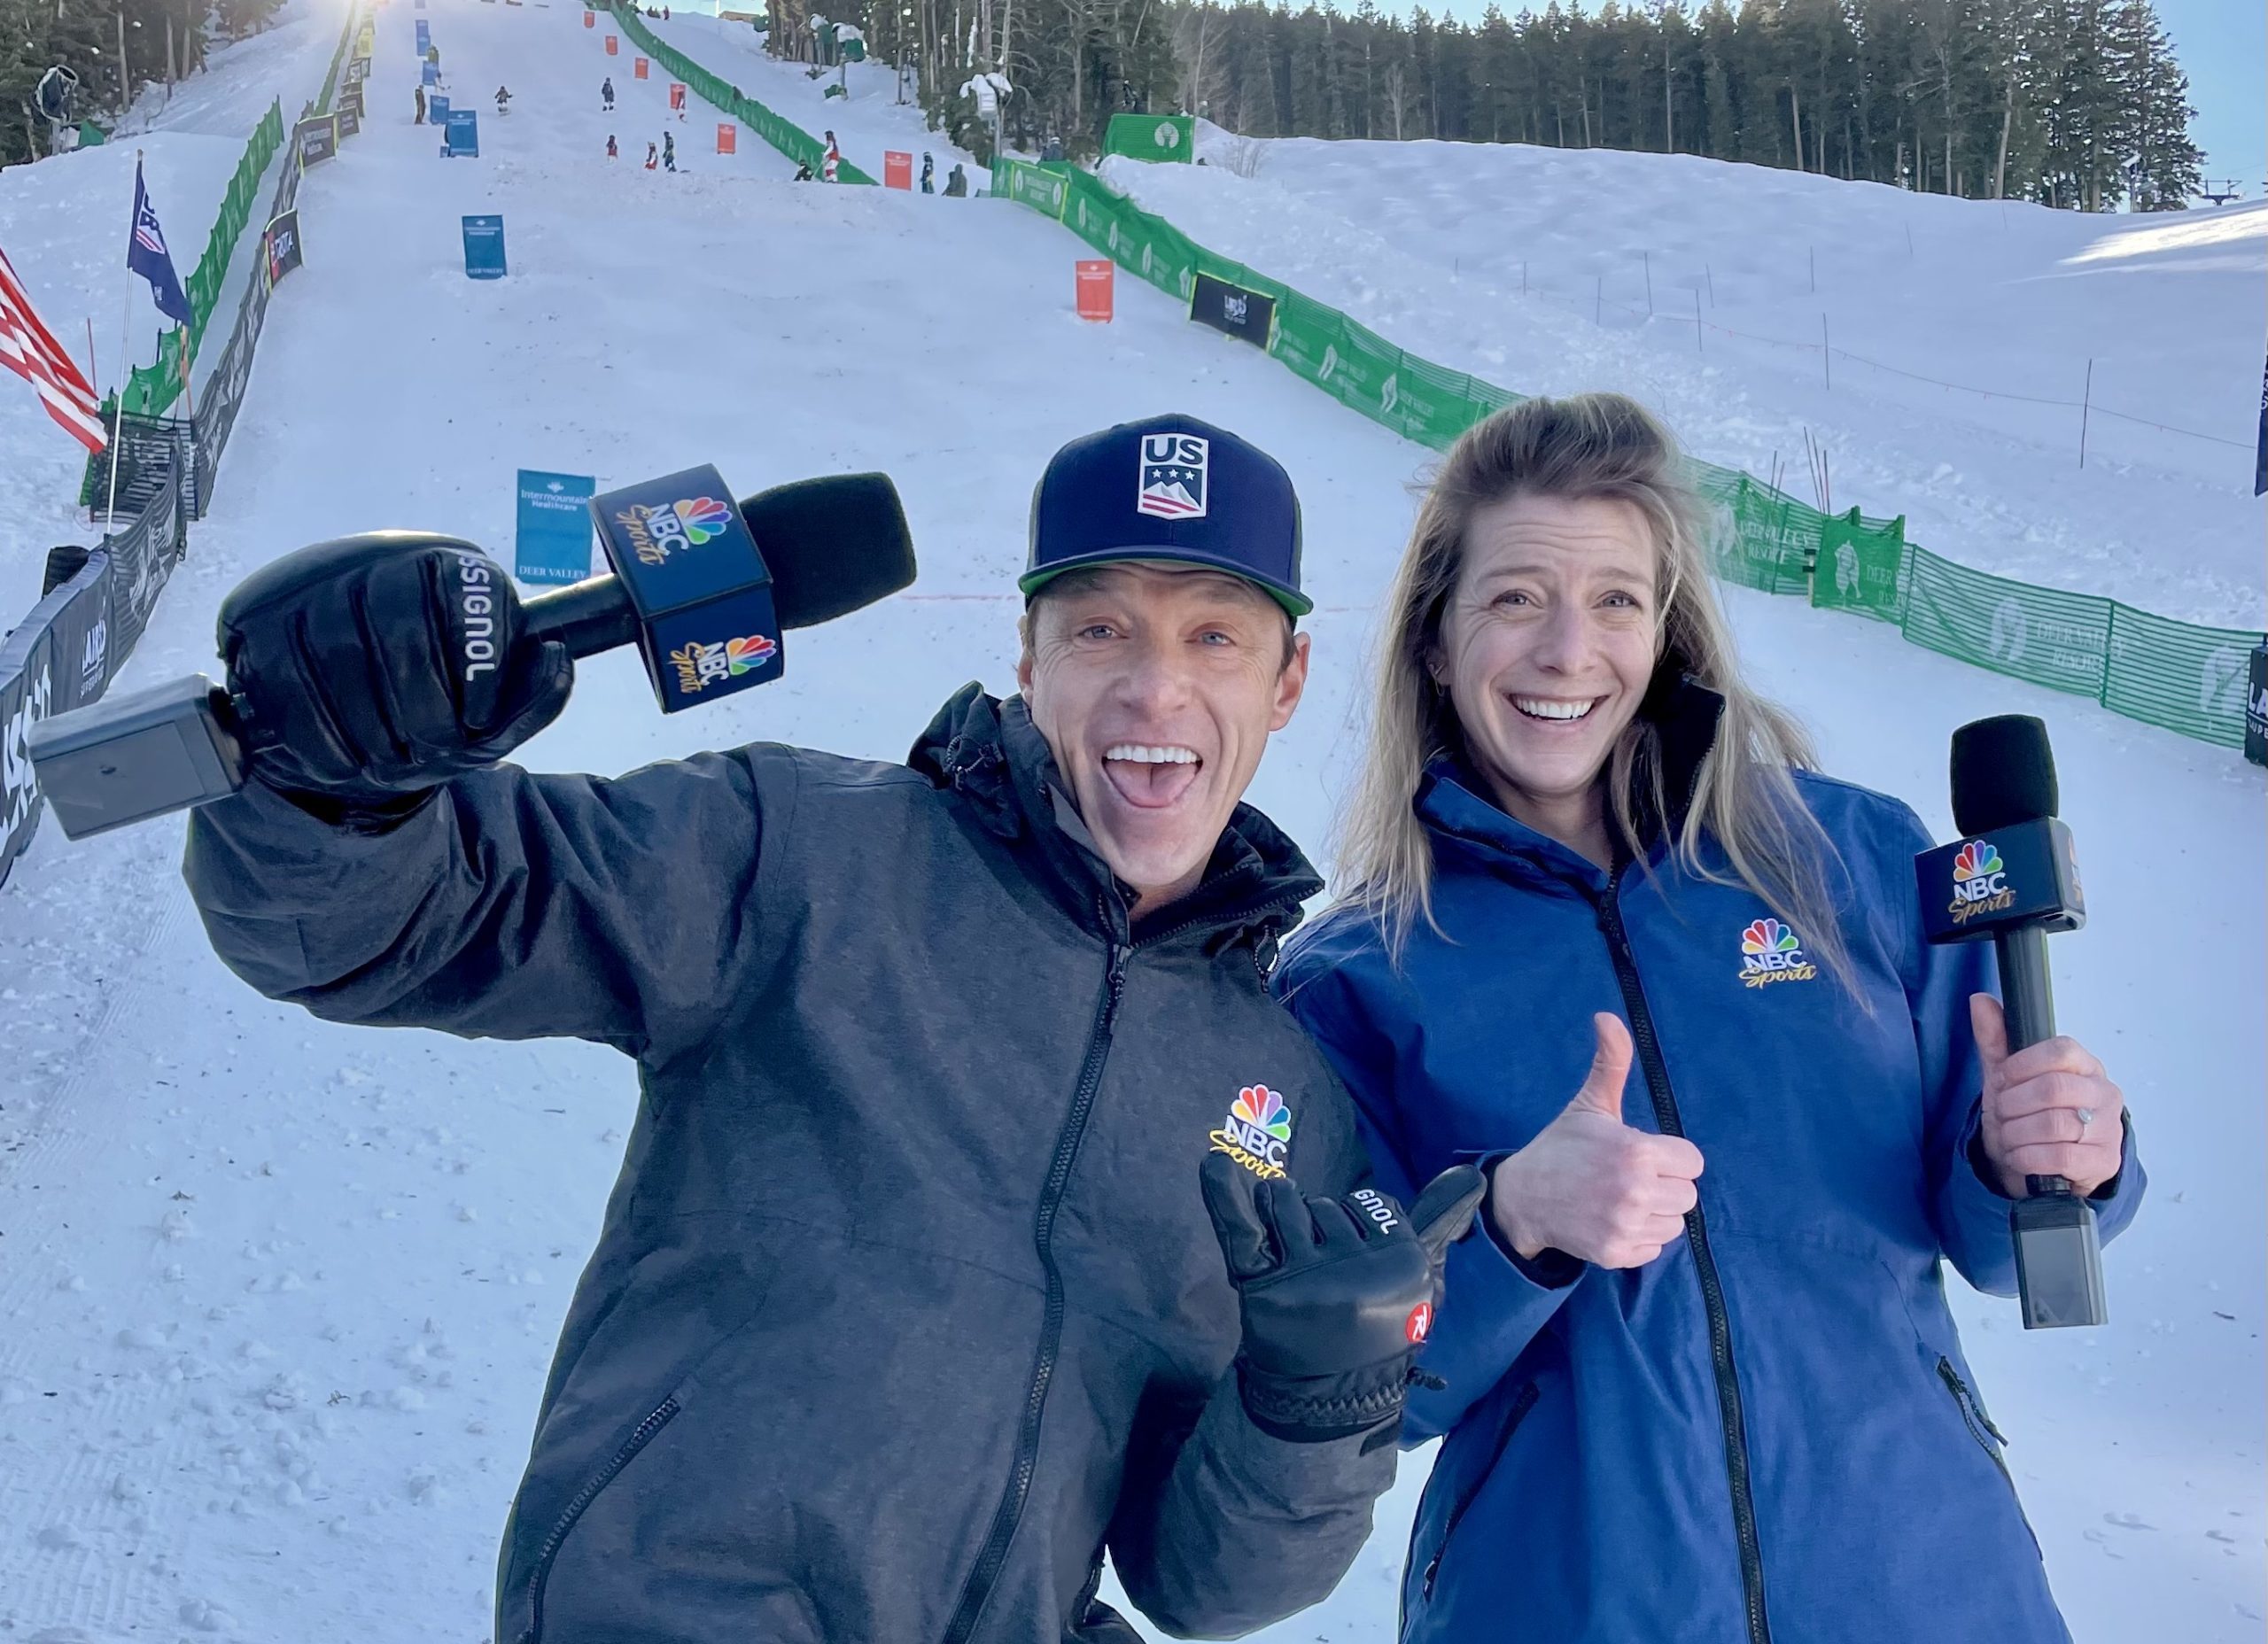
column 1174, row 474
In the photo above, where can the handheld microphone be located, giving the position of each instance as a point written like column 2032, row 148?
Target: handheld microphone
column 2012, row 877
column 708, row 621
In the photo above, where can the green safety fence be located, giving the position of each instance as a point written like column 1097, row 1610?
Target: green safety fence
column 2182, row 676
column 338, row 58
column 782, row 134
column 151, row 389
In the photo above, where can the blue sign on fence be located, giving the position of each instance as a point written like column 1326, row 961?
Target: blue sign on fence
column 430, row 74
column 484, row 248
column 425, row 35
column 437, row 112
column 463, row 127
column 554, row 541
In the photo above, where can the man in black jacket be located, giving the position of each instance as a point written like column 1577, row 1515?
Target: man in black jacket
column 907, row 1308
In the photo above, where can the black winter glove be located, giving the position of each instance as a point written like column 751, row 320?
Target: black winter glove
column 1336, row 1294
column 373, row 669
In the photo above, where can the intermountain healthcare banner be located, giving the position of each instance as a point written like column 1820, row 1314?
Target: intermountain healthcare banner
column 1152, row 136
column 318, row 138
column 553, row 541
column 484, row 248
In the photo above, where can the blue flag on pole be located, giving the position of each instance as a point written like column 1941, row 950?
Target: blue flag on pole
column 147, row 256
column 2260, row 460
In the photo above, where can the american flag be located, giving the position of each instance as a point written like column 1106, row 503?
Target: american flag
column 30, row 349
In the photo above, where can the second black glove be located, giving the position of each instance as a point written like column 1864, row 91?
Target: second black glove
column 372, row 669
column 1336, row 1294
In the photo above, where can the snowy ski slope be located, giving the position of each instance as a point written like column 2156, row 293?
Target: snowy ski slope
column 1536, row 268
column 280, row 1295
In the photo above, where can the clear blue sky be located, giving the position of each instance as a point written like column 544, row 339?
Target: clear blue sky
column 2223, row 44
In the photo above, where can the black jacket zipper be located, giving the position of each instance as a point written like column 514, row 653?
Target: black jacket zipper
column 658, row 1418
column 1522, row 1405
column 1004, row 1518
column 1696, row 1236
column 1973, row 1417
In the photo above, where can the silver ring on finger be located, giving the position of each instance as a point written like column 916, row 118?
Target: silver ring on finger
column 2086, row 1118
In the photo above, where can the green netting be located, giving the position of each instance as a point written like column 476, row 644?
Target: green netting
column 1152, row 136
column 2052, row 637
column 151, row 388
column 2177, row 675
column 781, row 133
column 1861, row 567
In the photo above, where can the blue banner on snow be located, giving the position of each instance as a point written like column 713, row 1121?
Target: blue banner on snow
column 484, row 248
column 552, row 543
column 463, row 125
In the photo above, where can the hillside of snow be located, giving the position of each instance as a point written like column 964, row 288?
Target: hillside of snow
column 279, row 1295
column 1531, row 267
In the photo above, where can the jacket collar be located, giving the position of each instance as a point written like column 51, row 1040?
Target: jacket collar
column 1452, row 798
column 990, row 754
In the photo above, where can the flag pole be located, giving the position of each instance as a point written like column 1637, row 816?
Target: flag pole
column 125, row 346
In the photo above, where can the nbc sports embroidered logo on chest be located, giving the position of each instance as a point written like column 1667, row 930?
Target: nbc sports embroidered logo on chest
column 1257, row 1133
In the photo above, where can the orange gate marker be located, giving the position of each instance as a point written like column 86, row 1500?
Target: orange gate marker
column 590, row 19
column 727, row 137
column 638, row 68
column 898, row 169
column 677, row 96
column 1095, row 288
column 613, row 46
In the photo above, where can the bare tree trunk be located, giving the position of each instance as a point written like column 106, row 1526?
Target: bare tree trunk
column 125, row 79
column 1669, row 99
column 1796, row 114
column 1583, row 95
column 2000, row 161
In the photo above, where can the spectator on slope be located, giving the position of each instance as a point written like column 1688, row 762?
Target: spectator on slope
column 668, row 151
column 936, row 1273
column 1725, row 1406
column 649, row 157
column 928, row 170
column 833, row 163
column 421, row 107
column 956, row 182
column 609, row 145
column 803, row 172
column 606, row 95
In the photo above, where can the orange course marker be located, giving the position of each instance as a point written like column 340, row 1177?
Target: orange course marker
column 898, row 169
column 638, row 68
column 727, row 137
column 613, row 45
column 1095, row 288
column 677, row 95
column 590, row 19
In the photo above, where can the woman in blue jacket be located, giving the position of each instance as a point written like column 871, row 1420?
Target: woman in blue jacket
column 1699, row 1382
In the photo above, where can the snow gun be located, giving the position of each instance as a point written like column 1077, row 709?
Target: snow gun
column 691, row 589
column 2012, row 876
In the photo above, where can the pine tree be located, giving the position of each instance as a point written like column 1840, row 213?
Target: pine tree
column 2163, row 164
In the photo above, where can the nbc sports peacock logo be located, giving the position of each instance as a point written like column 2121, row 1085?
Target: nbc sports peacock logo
column 1979, row 883
column 655, row 533
column 1770, row 952
column 1257, row 1133
column 700, row 665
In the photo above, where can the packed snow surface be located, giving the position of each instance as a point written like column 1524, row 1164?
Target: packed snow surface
column 279, row 1295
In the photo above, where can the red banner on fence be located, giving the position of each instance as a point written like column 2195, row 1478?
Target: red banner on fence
column 727, row 137
column 898, row 169
column 1095, row 288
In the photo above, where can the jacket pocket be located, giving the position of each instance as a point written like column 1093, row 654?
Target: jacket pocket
column 1989, row 1438
column 640, row 1436
column 1522, row 1403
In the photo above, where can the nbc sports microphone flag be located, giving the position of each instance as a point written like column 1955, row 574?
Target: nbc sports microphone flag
column 147, row 256
column 30, row 349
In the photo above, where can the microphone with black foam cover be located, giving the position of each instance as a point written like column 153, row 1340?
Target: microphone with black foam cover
column 2013, row 877
column 703, row 588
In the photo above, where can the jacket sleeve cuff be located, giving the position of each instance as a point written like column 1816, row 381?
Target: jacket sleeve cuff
column 1493, row 1304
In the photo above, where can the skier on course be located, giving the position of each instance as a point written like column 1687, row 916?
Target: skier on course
column 606, row 95
column 503, row 101
column 649, row 157
column 611, row 150
column 928, row 170
column 668, row 151
column 936, row 1273
column 833, row 163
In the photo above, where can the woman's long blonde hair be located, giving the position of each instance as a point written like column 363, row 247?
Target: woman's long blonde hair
column 1744, row 798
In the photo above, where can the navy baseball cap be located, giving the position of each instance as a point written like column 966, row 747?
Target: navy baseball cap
column 1168, row 488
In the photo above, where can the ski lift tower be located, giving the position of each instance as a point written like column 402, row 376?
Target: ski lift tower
column 990, row 90
column 2222, row 192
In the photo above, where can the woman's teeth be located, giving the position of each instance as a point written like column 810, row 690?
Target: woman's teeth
column 1543, row 707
